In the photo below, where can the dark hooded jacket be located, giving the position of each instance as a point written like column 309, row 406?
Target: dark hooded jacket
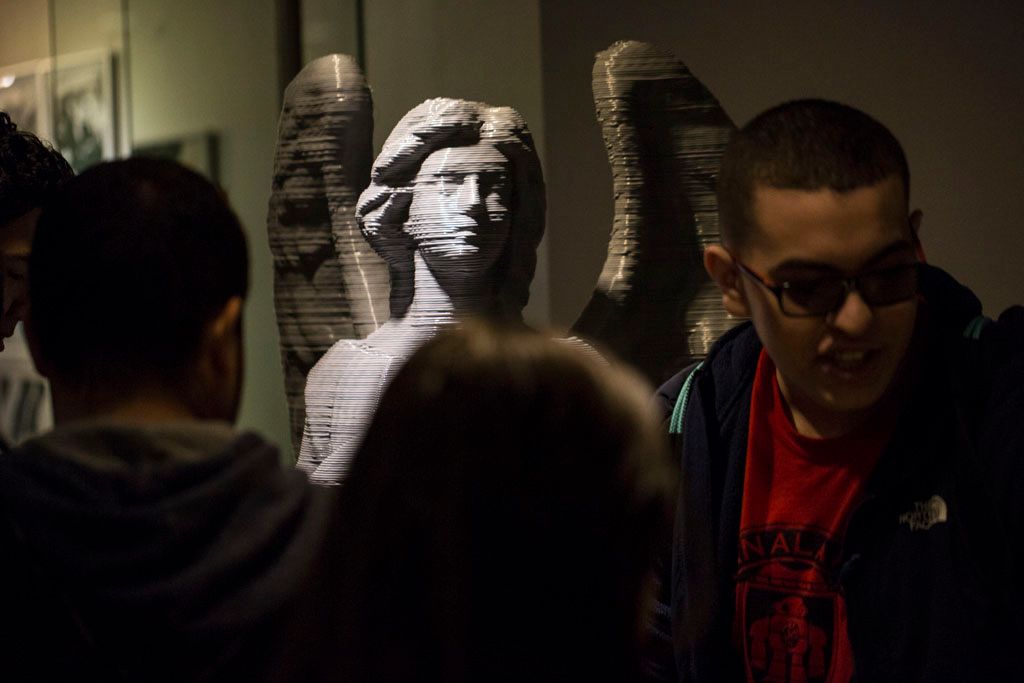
column 928, row 599
column 184, row 552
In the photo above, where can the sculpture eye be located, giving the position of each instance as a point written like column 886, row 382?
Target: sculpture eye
column 449, row 184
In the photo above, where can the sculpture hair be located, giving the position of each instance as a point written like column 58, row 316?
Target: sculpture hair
column 434, row 125
column 805, row 144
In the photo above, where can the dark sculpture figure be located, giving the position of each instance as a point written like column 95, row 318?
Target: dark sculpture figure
column 664, row 133
column 456, row 208
column 327, row 281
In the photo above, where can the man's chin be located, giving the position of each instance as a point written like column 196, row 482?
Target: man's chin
column 850, row 401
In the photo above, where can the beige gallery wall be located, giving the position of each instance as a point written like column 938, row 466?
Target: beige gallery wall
column 194, row 67
column 198, row 67
column 947, row 78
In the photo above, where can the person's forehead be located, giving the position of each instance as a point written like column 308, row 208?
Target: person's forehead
column 16, row 235
column 480, row 158
column 886, row 194
column 827, row 226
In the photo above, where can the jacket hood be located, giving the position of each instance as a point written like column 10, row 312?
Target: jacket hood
column 191, row 525
column 950, row 306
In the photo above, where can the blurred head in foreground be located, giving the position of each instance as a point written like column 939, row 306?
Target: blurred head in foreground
column 503, row 513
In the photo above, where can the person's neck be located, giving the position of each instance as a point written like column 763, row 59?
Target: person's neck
column 815, row 421
column 141, row 409
column 812, row 421
column 433, row 304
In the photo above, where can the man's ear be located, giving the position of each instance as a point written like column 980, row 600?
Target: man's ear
column 226, row 321
column 215, row 384
column 222, row 335
column 915, row 234
column 721, row 267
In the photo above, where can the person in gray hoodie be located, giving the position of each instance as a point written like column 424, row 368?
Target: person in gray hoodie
column 145, row 538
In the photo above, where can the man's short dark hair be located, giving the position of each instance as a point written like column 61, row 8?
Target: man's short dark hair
column 130, row 261
column 803, row 145
column 31, row 171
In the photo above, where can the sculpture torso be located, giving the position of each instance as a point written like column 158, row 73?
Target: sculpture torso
column 345, row 386
column 342, row 392
column 439, row 212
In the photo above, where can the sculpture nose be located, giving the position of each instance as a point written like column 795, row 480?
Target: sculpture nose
column 470, row 197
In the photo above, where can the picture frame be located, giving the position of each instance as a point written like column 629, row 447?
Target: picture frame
column 81, row 88
column 67, row 100
column 23, row 95
column 198, row 151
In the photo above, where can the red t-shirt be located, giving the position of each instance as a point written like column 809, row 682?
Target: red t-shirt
column 798, row 493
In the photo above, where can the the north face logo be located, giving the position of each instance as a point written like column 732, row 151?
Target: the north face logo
column 925, row 514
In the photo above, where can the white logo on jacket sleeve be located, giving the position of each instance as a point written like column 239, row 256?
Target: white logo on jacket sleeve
column 925, row 514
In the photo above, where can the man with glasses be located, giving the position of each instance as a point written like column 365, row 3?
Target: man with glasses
column 850, row 457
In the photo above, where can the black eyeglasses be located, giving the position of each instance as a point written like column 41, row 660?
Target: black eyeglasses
column 824, row 295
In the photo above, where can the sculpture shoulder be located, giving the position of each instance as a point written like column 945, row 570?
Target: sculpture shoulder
column 347, row 352
column 584, row 348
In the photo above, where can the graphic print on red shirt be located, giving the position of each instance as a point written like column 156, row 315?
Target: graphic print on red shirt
column 798, row 492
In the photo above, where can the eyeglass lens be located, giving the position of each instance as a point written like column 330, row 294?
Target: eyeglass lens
column 877, row 288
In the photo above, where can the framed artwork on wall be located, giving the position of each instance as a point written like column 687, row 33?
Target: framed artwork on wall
column 82, row 92
column 23, row 96
column 68, row 100
column 198, row 151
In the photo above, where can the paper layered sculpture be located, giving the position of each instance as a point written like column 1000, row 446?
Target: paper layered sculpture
column 664, row 132
column 454, row 211
column 328, row 283
column 455, row 206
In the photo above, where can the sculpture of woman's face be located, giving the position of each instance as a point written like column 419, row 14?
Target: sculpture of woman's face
column 459, row 217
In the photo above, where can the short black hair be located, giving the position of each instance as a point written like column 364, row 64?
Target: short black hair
column 807, row 144
column 31, row 171
column 129, row 263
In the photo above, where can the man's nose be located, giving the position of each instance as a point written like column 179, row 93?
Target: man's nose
column 854, row 315
column 15, row 306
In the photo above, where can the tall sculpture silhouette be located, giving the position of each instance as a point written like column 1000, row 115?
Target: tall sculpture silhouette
column 664, row 133
column 328, row 284
column 455, row 207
